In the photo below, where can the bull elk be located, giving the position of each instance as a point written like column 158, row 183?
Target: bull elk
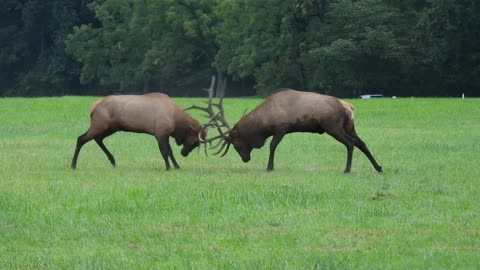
column 287, row 111
column 155, row 114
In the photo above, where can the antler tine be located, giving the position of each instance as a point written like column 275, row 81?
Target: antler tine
column 214, row 117
column 226, row 150
column 215, row 114
column 221, row 85
column 216, row 144
column 210, row 140
column 196, row 107
column 219, row 129
column 225, row 143
column 210, row 90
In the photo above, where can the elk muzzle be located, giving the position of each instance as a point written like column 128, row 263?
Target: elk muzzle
column 244, row 153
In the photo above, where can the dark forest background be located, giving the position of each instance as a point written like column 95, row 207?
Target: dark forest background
column 339, row 47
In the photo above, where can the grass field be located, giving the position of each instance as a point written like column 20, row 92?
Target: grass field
column 423, row 212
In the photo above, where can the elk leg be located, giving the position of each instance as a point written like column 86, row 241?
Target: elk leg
column 348, row 167
column 363, row 147
column 344, row 138
column 163, row 146
column 92, row 133
column 170, row 154
column 81, row 140
column 273, row 145
column 99, row 141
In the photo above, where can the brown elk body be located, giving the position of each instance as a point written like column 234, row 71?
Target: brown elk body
column 288, row 111
column 155, row 114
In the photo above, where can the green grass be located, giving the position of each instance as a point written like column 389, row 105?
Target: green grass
column 423, row 212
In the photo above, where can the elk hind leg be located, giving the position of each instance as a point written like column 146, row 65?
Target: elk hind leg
column 93, row 132
column 363, row 147
column 344, row 138
column 81, row 141
column 99, row 141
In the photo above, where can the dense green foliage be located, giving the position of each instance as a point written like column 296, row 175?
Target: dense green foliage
column 339, row 47
column 220, row 213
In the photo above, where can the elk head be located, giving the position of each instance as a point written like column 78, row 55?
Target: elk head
column 195, row 136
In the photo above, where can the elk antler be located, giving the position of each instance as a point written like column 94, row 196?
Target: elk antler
column 216, row 120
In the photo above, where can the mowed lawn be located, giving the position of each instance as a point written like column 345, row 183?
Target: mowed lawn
column 423, row 212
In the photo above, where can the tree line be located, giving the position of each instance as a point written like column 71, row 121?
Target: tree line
column 339, row 47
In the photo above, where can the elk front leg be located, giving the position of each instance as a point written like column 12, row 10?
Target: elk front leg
column 170, row 154
column 163, row 146
column 273, row 145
